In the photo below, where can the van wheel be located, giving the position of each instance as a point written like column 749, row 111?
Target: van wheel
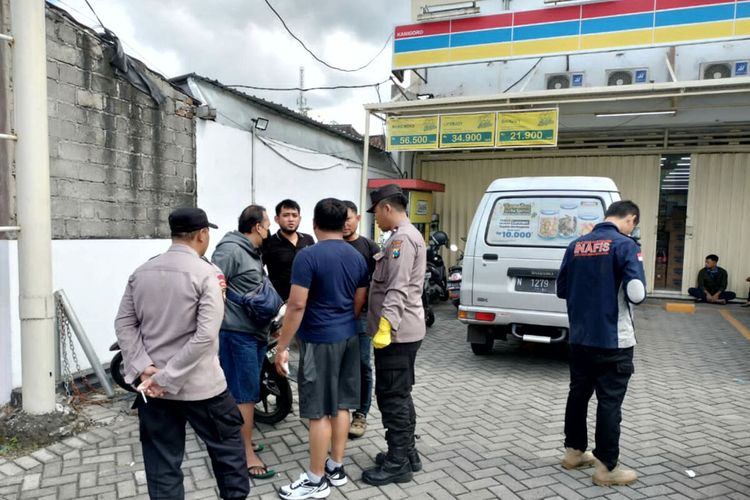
column 484, row 348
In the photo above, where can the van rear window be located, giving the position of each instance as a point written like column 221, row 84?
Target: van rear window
column 542, row 221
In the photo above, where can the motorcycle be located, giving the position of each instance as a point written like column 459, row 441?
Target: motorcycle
column 455, row 275
column 275, row 391
column 437, row 286
column 429, row 314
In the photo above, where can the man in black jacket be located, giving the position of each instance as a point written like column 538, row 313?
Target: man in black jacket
column 712, row 282
column 242, row 343
column 280, row 249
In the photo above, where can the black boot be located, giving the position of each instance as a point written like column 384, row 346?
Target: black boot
column 394, row 469
column 412, row 455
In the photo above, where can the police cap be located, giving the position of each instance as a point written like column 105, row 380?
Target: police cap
column 387, row 191
column 186, row 220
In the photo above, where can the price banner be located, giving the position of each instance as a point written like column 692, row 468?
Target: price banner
column 467, row 131
column 408, row 134
column 527, row 128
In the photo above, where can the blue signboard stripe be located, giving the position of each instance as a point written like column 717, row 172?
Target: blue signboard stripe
column 552, row 30
column 423, row 43
column 743, row 9
column 481, row 37
column 695, row 15
column 617, row 23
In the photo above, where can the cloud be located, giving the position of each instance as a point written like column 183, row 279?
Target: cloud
column 242, row 42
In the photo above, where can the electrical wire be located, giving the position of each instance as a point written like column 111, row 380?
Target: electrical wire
column 308, row 89
column 324, row 63
column 95, row 14
column 525, row 75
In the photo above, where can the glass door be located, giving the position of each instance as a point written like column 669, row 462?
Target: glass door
column 670, row 238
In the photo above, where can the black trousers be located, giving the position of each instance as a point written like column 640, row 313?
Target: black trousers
column 394, row 378
column 606, row 371
column 217, row 423
column 698, row 293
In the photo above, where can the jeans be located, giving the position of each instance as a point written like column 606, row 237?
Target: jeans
column 365, row 358
column 606, row 371
column 394, row 378
column 217, row 423
column 241, row 356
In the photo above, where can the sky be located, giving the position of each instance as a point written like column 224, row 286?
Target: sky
column 242, row 42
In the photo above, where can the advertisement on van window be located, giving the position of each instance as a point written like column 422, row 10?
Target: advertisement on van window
column 542, row 221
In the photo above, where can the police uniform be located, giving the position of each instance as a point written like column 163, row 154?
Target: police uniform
column 169, row 317
column 396, row 295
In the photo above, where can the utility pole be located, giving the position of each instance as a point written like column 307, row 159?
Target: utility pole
column 302, row 106
column 36, row 304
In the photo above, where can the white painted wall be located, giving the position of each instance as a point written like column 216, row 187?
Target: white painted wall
column 282, row 171
column 93, row 274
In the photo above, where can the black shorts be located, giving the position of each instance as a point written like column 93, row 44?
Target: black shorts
column 328, row 378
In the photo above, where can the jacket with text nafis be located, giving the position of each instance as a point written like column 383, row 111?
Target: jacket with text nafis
column 601, row 276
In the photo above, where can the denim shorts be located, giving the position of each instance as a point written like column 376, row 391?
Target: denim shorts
column 241, row 356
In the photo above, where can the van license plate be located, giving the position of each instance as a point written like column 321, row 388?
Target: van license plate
column 535, row 285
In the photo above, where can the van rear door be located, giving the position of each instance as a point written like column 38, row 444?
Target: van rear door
column 520, row 243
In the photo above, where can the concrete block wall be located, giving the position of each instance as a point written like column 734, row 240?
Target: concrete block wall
column 118, row 163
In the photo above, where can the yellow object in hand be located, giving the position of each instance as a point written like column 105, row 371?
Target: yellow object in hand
column 382, row 337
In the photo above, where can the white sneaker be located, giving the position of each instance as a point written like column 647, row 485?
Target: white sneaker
column 304, row 488
column 337, row 476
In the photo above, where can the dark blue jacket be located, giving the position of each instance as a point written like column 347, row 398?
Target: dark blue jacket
column 600, row 277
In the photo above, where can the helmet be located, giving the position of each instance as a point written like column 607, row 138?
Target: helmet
column 440, row 238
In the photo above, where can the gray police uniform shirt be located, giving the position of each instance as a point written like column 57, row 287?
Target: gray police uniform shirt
column 397, row 283
column 170, row 317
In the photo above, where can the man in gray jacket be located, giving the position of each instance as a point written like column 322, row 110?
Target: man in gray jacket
column 168, row 329
column 242, row 343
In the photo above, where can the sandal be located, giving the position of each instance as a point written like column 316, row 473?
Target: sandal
column 257, row 448
column 265, row 472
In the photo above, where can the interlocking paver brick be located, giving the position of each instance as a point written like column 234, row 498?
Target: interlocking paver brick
column 490, row 427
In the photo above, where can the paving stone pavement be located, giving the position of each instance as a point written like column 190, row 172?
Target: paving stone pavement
column 490, row 426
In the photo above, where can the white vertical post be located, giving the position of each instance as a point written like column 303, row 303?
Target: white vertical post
column 36, row 305
column 363, row 181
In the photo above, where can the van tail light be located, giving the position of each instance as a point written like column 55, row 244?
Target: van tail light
column 482, row 316
column 463, row 315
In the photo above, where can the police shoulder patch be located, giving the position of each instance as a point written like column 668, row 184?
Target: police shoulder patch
column 396, row 248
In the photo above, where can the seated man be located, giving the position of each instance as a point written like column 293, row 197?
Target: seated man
column 712, row 283
column 747, row 304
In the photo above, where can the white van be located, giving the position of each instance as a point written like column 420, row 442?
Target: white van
column 514, row 248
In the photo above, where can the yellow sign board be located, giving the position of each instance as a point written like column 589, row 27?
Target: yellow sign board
column 409, row 134
column 467, row 131
column 526, row 128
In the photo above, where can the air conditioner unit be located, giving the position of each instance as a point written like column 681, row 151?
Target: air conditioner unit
column 617, row 77
column 555, row 81
column 723, row 69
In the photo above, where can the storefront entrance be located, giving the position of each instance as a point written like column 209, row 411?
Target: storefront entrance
column 671, row 222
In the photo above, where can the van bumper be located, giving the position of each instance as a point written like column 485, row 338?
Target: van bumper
column 468, row 315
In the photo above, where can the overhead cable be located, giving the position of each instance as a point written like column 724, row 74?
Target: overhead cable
column 324, row 63
column 308, row 89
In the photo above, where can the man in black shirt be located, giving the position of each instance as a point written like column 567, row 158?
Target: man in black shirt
column 368, row 249
column 280, row 249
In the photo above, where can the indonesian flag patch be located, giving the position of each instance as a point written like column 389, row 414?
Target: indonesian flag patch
column 640, row 256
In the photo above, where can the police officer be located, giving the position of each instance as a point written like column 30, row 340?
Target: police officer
column 168, row 330
column 601, row 276
column 396, row 316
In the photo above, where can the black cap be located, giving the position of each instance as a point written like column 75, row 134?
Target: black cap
column 387, row 191
column 186, row 220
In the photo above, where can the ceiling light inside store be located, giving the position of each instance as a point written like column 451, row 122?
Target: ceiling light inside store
column 636, row 113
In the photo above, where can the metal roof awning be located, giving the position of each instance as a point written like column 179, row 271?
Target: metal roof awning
column 638, row 92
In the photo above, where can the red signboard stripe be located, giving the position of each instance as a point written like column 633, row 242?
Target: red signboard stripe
column 617, row 8
column 423, row 29
column 676, row 4
column 541, row 16
column 482, row 23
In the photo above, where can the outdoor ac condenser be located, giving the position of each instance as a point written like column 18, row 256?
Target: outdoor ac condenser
column 723, row 69
column 629, row 76
column 555, row 81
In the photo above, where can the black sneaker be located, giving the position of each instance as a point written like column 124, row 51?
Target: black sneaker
column 304, row 488
column 337, row 476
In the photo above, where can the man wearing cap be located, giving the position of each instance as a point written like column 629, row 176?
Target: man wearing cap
column 396, row 317
column 168, row 330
